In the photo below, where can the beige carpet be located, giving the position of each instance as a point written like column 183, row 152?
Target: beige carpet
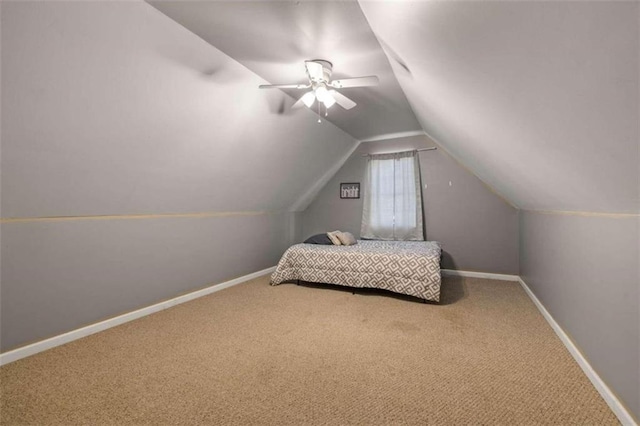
column 256, row 354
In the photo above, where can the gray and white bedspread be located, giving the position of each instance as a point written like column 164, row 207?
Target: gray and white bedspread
column 407, row 267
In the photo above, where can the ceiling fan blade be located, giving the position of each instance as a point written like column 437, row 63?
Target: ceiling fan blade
column 342, row 100
column 284, row 86
column 314, row 70
column 297, row 104
column 370, row 80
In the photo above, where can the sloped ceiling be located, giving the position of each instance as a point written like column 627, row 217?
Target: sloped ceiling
column 111, row 108
column 274, row 38
column 539, row 99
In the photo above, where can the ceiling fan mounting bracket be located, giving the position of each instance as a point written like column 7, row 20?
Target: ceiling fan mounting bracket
column 325, row 75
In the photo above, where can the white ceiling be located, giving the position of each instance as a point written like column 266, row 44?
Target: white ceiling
column 539, row 99
column 274, row 38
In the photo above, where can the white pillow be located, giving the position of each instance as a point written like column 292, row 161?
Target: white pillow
column 333, row 236
column 347, row 238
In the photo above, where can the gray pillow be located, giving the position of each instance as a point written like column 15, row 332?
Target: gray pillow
column 322, row 239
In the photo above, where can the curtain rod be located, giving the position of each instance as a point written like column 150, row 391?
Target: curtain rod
column 433, row 148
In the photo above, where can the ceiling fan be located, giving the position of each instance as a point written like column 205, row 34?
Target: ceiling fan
column 322, row 89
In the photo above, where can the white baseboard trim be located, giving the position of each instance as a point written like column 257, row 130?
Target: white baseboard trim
column 610, row 398
column 79, row 333
column 473, row 274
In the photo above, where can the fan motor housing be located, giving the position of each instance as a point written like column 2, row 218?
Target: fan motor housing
column 327, row 68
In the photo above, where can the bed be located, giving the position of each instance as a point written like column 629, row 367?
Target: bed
column 406, row 267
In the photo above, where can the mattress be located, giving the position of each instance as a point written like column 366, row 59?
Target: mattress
column 406, row 267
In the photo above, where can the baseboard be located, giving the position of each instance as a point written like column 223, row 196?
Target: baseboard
column 473, row 274
column 79, row 333
column 610, row 398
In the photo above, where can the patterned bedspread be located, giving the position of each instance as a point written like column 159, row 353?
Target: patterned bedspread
column 407, row 267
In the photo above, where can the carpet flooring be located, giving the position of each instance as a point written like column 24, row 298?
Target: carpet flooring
column 313, row 354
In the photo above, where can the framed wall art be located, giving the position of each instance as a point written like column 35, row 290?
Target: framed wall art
column 350, row 190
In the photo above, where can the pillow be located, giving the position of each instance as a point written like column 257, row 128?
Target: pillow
column 347, row 238
column 319, row 239
column 333, row 236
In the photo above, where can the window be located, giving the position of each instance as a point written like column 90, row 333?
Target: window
column 392, row 199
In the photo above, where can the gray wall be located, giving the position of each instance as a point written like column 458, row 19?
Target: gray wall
column 111, row 108
column 60, row 275
column 478, row 229
column 585, row 271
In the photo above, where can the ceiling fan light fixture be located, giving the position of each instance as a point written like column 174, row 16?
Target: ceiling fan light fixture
column 309, row 98
column 328, row 100
column 322, row 93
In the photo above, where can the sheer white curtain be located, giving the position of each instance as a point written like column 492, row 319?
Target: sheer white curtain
column 392, row 198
